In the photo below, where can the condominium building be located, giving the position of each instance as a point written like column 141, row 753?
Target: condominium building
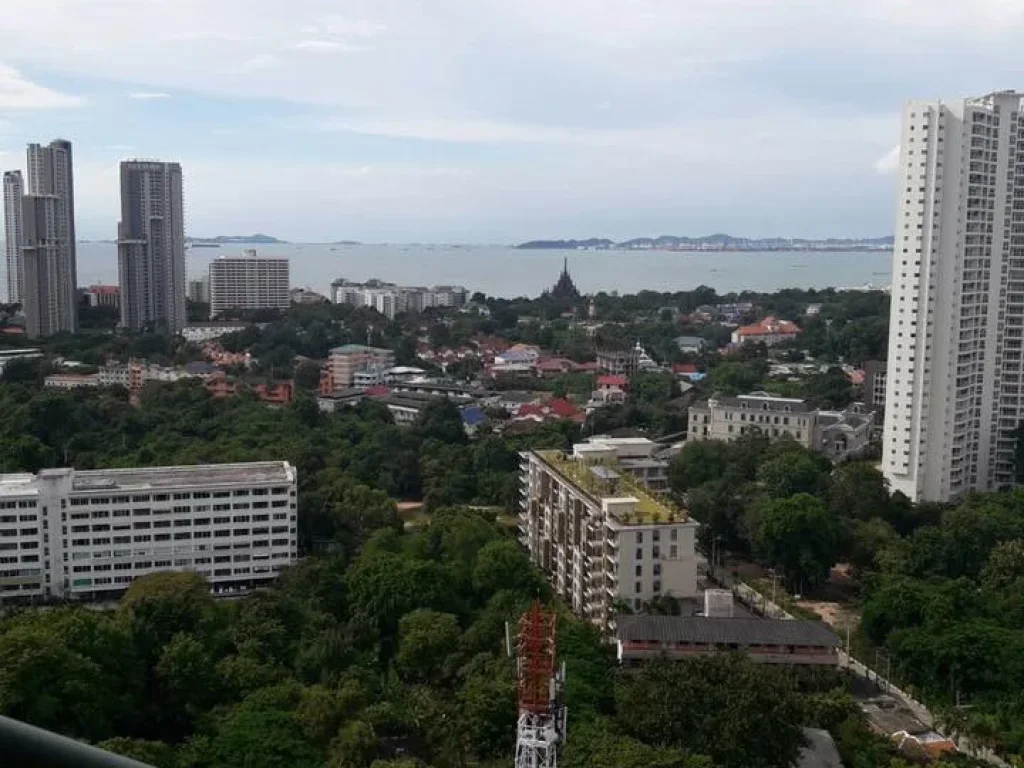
column 199, row 289
column 600, row 535
column 345, row 361
column 51, row 175
column 151, row 246
column 14, row 190
column 248, row 282
column 390, row 299
column 838, row 434
column 87, row 535
column 956, row 329
column 43, row 298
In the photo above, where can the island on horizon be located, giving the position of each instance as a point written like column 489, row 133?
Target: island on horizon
column 717, row 242
column 235, row 240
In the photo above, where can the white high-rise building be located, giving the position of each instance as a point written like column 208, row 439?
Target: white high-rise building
column 956, row 330
column 151, row 246
column 87, row 535
column 248, row 282
column 14, row 190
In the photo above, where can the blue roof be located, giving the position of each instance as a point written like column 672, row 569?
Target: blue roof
column 473, row 416
column 697, row 376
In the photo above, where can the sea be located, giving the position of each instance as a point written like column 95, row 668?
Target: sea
column 508, row 272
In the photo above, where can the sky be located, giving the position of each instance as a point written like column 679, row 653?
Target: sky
column 491, row 121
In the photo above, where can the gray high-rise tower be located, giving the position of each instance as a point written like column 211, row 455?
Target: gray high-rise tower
column 50, row 174
column 14, row 190
column 151, row 246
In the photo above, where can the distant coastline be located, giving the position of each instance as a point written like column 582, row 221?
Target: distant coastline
column 714, row 243
column 258, row 239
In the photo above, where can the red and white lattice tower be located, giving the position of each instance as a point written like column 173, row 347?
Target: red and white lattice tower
column 541, row 726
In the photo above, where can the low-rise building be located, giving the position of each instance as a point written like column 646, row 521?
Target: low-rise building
column 335, row 401
column 611, row 390
column 600, row 535
column 197, row 334
column 769, row 331
column 693, row 345
column 840, row 435
column 71, row 380
column 87, row 535
column 390, row 299
column 640, row 638
column 346, row 360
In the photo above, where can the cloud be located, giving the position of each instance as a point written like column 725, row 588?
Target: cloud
column 16, row 92
column 259, row 63
column 888, row 162
column 149, row 95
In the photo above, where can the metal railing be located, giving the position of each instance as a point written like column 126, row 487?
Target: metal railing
column 26, row 746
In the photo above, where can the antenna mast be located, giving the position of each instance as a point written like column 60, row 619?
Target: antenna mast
column 541, row 726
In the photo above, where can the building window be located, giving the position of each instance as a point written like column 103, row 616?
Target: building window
column 657, row 552
column 657, row 587
column 674, row 534
column 640, row 570
column 639, row 537
column 637, row 588
column 657, row 569
column 639, row 554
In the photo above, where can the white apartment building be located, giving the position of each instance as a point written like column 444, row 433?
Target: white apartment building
column 248, row 282
column 87, row 535
column 956, row 329
column 390, row 299
column 600, row 535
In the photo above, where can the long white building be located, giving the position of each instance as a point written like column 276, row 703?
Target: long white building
column 592, row 524
column 248, row 282
column 956, row 329
column 390, row 299
column 87, row 535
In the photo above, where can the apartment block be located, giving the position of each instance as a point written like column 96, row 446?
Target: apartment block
column 390, row 299
column 600, row 534
column 345, row 361
column 956, row 329
column 248, row 282
column 839, row 435
column 87, row 535
column 14, row 190
column 151, row 246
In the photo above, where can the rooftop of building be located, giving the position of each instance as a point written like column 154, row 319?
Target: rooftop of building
column 769, row 325
column 136, row 478
column 601, row 481
column 723, row 631
column 351, row 349
column 758, row 400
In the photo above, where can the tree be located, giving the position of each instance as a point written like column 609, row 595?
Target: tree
column 799, row 536
column 1005, row 566
column 441, row 420
column 857, row 490
column 596, row 744
column 503, row 565
column 160, row 605
column 426, row 641
column 793, row 472
column 252, row 736
column 187, row 679
column 734, row 711
column 697, row 463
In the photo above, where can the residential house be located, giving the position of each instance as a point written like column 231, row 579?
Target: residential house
column 769, row 331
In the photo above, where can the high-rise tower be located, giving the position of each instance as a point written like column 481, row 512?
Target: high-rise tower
column 956, row 330
column 151, row 246
column 14, row 190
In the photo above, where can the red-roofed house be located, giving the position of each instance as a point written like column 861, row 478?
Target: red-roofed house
column 684, row 369
column 556, row 409
column 769, row 330
column 554, row 366
column 611, row 390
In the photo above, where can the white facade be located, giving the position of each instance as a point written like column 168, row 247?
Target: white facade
column 200, row 333
column 956, row 327
column 390, row 299
column 87, row 535
column 600, row 536
column 14, row 189
column 248, row 282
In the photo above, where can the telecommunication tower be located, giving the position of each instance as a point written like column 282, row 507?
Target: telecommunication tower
column 540, row 729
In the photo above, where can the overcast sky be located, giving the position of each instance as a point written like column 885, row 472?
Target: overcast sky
column 496, row 120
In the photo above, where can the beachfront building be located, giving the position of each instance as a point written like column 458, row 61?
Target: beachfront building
column 248, row 282
column 390, row 299
column 87, row 535
column 600, row 534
